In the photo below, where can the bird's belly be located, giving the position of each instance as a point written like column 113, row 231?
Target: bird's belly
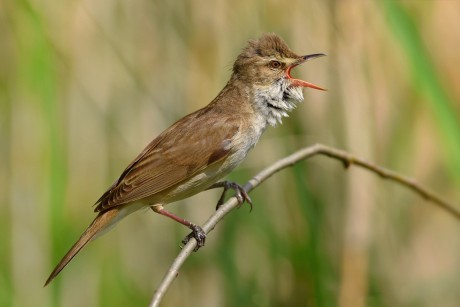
column 241, row 144
column 195, row 184
column 202, row 180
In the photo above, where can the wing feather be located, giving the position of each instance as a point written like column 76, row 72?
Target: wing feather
column 189, row 146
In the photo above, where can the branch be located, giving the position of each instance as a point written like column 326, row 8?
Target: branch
column 303, row 154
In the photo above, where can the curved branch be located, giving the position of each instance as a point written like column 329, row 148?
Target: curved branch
column 302, row 154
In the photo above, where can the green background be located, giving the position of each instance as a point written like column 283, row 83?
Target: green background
column 85, row 85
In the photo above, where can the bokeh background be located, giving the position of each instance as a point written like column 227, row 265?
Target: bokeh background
column 85, row 85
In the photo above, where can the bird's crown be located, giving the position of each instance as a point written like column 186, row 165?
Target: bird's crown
column 269, row 45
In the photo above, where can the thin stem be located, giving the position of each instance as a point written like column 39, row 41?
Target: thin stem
column 300, row 155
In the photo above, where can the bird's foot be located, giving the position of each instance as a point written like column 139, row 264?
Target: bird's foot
column 198, row 234
column 240, row 193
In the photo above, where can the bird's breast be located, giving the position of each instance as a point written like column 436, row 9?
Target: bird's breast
column 241, row 143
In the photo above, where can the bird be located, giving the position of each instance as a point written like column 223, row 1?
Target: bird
column 201, row 148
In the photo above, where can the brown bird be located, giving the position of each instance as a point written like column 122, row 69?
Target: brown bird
column 201, row 148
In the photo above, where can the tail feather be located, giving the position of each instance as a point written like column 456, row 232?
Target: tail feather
column 100, row 224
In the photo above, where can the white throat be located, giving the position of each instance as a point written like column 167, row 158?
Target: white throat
column 274, row 102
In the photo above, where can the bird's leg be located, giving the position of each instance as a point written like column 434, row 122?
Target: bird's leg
column 197, row 232
column 240, row 193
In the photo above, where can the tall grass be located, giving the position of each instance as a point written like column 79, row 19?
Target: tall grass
column 85, row 85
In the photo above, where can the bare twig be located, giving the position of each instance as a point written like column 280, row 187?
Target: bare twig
column 303, row 154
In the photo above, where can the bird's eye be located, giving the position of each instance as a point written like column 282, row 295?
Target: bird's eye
column 275, row 64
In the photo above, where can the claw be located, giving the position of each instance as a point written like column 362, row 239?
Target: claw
column 198, row 234
column 240, row 194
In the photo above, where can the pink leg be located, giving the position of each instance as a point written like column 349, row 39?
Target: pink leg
column 197, row 232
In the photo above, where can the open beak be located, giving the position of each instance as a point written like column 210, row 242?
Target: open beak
column 298, row 82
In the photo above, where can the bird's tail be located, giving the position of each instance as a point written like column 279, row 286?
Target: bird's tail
column 100, row 224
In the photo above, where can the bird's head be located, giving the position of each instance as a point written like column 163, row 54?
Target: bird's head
column 265, row 64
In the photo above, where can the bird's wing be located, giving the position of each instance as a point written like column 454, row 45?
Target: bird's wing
column 189, row 146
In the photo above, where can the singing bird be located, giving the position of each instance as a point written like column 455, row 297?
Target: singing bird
column 201, row 148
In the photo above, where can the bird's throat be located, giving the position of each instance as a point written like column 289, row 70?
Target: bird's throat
column 277, row 100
